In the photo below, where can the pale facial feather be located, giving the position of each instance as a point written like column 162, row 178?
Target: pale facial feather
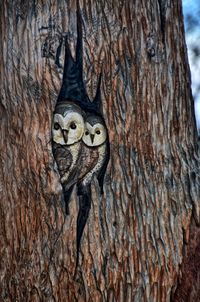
column 74, row 135
column 94, row 135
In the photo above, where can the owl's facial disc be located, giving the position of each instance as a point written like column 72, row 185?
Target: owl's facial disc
column 94, row 135
column 68, row 127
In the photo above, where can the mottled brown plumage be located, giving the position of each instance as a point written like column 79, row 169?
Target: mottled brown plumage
column 87, row 160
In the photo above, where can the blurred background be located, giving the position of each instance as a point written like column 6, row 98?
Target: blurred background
column 191, row 11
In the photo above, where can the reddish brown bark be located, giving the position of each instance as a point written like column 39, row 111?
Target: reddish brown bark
column 133, row 245
column 189, row 281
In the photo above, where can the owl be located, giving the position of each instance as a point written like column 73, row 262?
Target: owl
column 68, row 121
column 67, row 131
column 95, row 139
column 94, row 158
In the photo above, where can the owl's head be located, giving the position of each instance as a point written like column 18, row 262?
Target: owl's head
column 68, row 124
column 95, row 133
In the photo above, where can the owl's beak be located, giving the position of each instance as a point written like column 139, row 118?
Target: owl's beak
column 92, row 137
column 65, row 135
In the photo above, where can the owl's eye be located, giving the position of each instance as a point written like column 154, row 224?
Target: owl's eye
column 86, row 132
column 56, row 126
column 73, row 125
column 98, row 132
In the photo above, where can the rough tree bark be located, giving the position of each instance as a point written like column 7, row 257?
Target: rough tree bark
column 134, row 241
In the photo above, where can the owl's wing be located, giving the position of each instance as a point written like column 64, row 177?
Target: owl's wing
column 63, row 158
column 89, row 160
column 102, row 171
column 64, row 161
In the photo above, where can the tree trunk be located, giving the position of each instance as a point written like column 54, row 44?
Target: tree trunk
column 133, row 244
